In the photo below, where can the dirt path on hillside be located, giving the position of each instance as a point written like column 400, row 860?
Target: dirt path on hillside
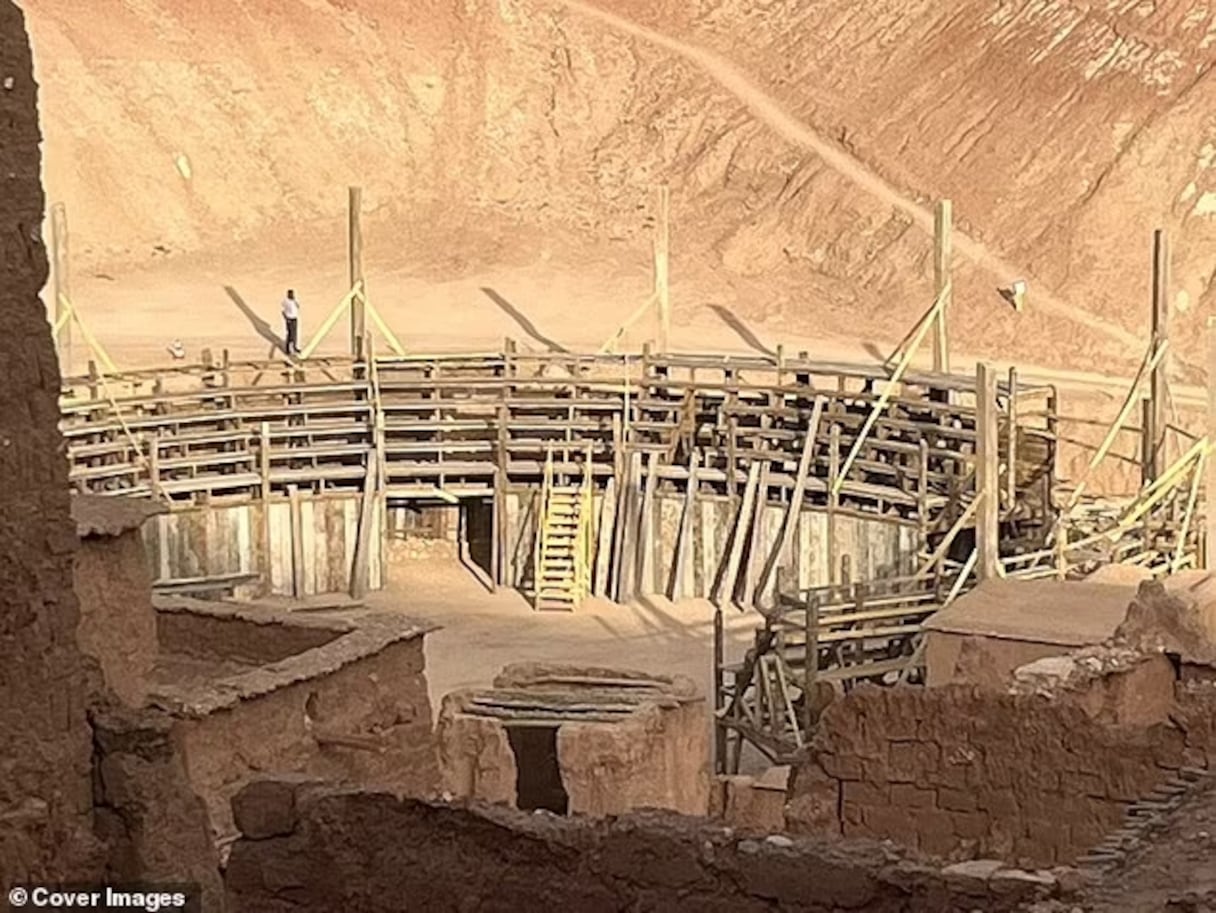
column 768, row 110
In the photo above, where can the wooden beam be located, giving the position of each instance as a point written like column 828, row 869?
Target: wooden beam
column 646, row 525
column 684, row 537
column 355, row 262
column 662, row 242
column 264, row 474
column 790, row 521
column 297, row 541
column 61, row 289
column 1209, row 493
column 1155, row 449
column 987, row 475
column 942, row 249
column 604, row 538
column 755, row 536
column 725, row 591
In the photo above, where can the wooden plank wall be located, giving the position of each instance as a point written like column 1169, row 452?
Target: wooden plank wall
column 877, row 547
column 218, row 540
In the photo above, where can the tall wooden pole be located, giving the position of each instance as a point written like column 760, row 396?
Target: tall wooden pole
column 1155, row 445
column 1209, row 483
column 355, row 236
column 943, row 244
column 61, row 284
column 662, row 242
column 987, row 473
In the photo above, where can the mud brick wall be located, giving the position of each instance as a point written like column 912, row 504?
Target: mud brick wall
column 382, row 697
column 323, row 851
column 117, row 621
column 962, row 772
column 45, row 784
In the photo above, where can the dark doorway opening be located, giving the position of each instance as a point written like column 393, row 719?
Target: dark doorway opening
column 538, row 782
column 479, row 532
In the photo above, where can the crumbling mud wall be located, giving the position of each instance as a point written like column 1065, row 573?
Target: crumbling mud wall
column 45, row 790
column 658, row 758
column 154, row 825
column 961, row 771
column 342, row 712
column 117, row 622
column 308, row 849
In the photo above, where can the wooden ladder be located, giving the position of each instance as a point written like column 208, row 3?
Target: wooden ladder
column 562, row 575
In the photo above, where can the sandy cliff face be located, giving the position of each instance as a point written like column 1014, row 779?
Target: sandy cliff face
column 1064, row 134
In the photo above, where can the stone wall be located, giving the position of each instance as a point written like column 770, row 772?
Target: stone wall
column 45, row 785
column 117, row 622
column 310, row 849
column 961, row 771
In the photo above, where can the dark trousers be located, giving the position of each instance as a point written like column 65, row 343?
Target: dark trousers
column 292, row 346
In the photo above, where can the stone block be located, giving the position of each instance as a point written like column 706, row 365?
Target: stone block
column 265, row 808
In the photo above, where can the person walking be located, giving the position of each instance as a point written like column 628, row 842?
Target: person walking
column 291, row 316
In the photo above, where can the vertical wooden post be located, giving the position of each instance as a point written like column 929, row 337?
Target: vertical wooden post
column 987, row 473
column 1209, row 493
column 297, row 541
column 61, row 285
column 1011, row 447
column 355, row 237
column 662, row 242
column 1155, row 450
column 719, row 703
column 264, row 473
column 942, row 280
column 833, row 503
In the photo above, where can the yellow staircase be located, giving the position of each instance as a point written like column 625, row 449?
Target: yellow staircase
column 563, row 549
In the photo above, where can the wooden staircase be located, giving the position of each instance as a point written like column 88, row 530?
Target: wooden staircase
column 562, row 560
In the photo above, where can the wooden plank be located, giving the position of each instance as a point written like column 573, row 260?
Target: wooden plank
column 1209, row 492
column 604, row 538
column 1156, row 458
column 683, row 551
column 725, row 591
column 297, row 541
column 942, row 252
column 358, row 324
column 987, row 475
column 646, row 528
column 790, row 519
column 661, row 256
column 755, row 542
column 361, row 572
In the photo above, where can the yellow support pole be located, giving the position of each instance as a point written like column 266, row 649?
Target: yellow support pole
column 1180, row 551
column 89, row 338
column 884, row 400
column 333, row 318
column 1149, row 364
column 392, row 340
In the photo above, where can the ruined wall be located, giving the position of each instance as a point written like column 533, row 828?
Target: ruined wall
column 317, row 850
column 963, row 771
column 153, row 823
column 117, row 622
column 380, row 703
column 45, row 791
column 975, row 660
column 657, row 758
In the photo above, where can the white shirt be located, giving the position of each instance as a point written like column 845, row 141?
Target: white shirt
column 291, row 308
